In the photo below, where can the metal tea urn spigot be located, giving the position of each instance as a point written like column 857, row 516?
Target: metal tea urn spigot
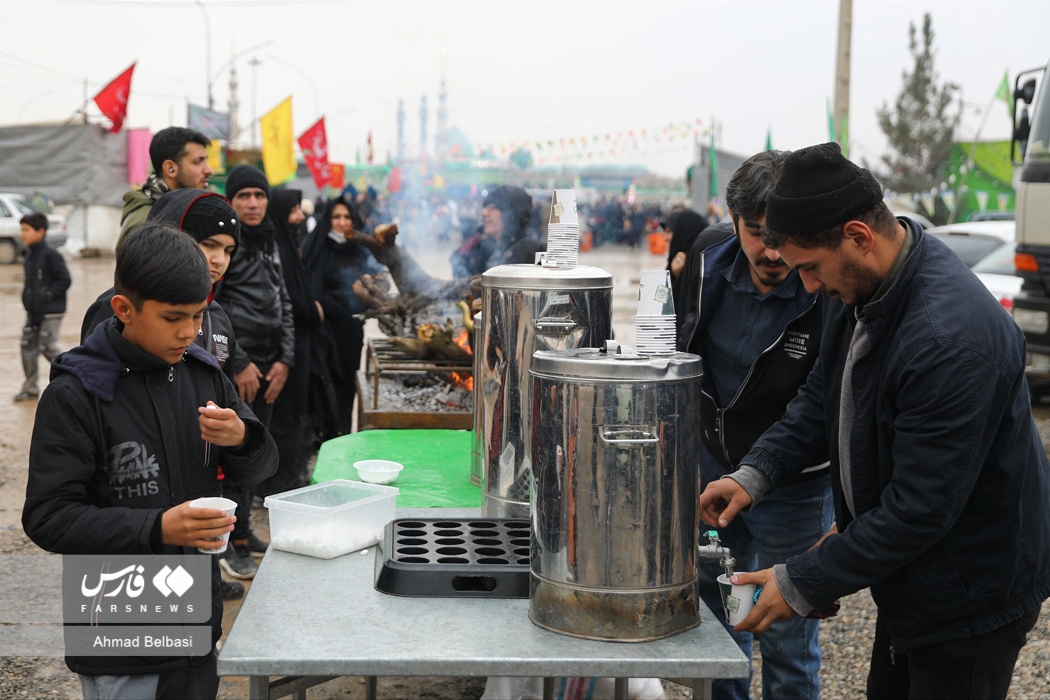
column 714, row 550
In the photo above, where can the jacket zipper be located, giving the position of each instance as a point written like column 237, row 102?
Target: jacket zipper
column 743, row 385
column 893, row 656
column 171, row 374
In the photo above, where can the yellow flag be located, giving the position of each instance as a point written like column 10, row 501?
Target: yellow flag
column 278, row 139
column 215, row 156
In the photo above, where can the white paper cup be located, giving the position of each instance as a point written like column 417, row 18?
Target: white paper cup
column 218, row 503
column 737, row 601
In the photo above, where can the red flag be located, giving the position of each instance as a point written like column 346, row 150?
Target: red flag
column 113, row 99
column 314, row 145
column 338, row 176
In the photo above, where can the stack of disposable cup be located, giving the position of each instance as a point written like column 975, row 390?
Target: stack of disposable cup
column 563, row 230
column 654, row 324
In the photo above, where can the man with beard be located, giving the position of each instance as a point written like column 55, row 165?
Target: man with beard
column 255, row 298
column 504, row 237
column 179, row 157
column 757, row 329
column 941, row 483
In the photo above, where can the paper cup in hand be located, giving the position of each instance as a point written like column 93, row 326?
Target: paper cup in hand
column 218, row 503
column 737, row 601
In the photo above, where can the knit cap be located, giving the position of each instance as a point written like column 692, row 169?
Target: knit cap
column 243, row 177
column 211, row 215
column 819, row 189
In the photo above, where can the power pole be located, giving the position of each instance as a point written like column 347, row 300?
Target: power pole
column 840, row 108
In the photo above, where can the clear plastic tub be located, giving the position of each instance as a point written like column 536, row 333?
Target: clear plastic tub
column 330, row 519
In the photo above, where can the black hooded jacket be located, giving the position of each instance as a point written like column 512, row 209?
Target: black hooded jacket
column 216, row 335
column 116, row 443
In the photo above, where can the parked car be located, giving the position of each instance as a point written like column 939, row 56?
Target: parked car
column 972, row 241
column 12, row 208
column 996, row 270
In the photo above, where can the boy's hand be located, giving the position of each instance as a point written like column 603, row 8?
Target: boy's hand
column 221, row 426
column 194, row 527
column 247, row 381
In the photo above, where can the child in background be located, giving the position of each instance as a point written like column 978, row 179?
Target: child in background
column 44, row 299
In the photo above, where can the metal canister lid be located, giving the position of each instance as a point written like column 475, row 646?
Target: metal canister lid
column 541, row 277
column 615, row 362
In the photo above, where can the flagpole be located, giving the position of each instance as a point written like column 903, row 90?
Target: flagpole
column 969, row 160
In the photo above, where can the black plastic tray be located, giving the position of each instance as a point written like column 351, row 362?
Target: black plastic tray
column 446, row 558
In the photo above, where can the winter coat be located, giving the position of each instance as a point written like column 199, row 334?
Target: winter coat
column 110, row 409
column 255, row 298
column 950, row 481
column 729, row 430
column 47, row 279
column 137, row 204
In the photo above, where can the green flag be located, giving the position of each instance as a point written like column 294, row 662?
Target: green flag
column 1004, row 92
column 712, row 157
column 844, row 134
column 769, row 138
column 831, row 122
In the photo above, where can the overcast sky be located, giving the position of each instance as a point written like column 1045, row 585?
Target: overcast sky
column 517, row 72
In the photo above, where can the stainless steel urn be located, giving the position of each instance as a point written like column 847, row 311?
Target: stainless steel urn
column 526, row 308
column 615, row 522
column 475, row 432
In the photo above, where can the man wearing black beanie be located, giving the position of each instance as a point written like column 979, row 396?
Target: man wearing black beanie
column 919, row 399
column 256, row 299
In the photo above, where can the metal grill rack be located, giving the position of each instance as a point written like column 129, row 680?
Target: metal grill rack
column 382, row 359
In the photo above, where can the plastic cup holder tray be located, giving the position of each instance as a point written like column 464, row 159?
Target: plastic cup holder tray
column 442, row 558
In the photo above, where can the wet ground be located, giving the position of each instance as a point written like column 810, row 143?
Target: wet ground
column 31, row 595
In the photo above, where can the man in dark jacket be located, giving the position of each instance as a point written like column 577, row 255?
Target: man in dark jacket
column 131, row 429
column 256, row 299
column 919, row 398
column 758, row 329
column 44, row 299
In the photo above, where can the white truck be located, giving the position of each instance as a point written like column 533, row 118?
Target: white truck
column 1031, row 140
column 12, row 208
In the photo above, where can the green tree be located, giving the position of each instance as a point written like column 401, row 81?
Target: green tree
column 921, row 125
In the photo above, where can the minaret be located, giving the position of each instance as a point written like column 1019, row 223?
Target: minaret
column 400, row 130
column 423, row 128
column 234, row 104
column 441, row 138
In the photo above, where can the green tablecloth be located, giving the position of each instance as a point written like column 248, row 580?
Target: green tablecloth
column 437, row 464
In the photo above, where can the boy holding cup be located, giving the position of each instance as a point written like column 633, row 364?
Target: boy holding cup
column 131, row 430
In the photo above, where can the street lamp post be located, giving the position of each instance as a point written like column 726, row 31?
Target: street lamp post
column 207, row 39
column 254, row 63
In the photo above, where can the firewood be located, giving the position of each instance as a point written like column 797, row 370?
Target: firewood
column 440, row 340
column 411, row 347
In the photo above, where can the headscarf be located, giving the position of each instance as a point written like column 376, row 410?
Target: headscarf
column 200, row 214
column 685, row 225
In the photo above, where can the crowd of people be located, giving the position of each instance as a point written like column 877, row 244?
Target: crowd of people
column 861, row 426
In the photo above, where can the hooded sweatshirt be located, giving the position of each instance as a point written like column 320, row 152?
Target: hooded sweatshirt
column 116, row 443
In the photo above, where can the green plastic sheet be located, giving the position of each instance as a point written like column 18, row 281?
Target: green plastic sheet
column 437, row 464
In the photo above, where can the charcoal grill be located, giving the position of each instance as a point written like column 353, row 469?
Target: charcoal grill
column 384, row 360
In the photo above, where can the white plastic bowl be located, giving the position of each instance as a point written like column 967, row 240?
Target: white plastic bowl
column 378, row 471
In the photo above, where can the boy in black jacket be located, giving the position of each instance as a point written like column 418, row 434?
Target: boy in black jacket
column 140, row 386
column 44, row 298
